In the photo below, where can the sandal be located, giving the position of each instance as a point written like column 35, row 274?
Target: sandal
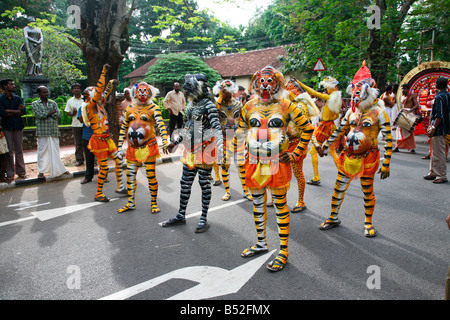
column 201, row 228
column 121, row 191
column 328, row 224
column 277, row 264
column 102, row 198
column 426, row 157
column 127, row 208
column 226, row 197
column 41, row 177
column 155, row 209
column 248, row 196
column 251, row 251
column 313, row 183
column 439, row 180
column 370, row 232
column 298, row 209
column 173, row 222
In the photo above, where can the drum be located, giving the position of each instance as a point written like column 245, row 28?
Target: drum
column 407, row 120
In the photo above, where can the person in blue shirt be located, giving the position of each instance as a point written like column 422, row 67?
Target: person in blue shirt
column 440, row 127
column 88, row 155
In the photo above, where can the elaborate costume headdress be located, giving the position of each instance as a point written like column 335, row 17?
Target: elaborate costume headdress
column 363, row 88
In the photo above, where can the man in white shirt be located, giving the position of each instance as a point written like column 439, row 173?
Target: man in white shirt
column 72, row 106
column 175, row 102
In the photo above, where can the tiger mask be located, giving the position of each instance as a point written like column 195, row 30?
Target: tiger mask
column 363, row 89
column 268, row 84
column 144, row 92
column 195, row 86
column 229, row 112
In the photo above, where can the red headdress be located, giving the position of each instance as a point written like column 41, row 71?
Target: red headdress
column 361, row 82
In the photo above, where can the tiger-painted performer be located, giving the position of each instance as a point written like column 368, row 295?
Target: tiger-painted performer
column 203, row 140
column 309, row 110
column 139, row 124
column 101, row 144
column 229, row 112
column 361, row 156
column 326, row 126
column 263, row 124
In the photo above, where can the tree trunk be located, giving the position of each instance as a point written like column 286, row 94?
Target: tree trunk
column 104, row 39
column 382, row 52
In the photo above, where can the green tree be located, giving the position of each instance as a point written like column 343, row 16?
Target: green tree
column 338, row 32
column 173, row 67
column 267, row 29
column 60, row 60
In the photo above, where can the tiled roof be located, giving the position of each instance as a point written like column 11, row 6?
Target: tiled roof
column 142, row 70
column 247, row 63
column 232, row 65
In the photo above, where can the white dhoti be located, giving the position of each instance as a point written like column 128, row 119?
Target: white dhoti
column 394, row 115
column 48, row 157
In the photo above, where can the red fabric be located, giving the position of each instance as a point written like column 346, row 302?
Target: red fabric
column 281, row 174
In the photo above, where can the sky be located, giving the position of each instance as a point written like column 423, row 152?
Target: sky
column 235, row 12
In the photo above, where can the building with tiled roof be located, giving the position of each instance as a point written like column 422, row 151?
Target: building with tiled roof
column 237, row 66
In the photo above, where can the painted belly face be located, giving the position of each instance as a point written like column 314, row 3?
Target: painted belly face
column 363, row 134
column 267, row 134
column 139, row 129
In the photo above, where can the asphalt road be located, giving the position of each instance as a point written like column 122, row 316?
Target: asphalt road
column 56, row 243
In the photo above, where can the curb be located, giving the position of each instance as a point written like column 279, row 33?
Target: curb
column 71, row 175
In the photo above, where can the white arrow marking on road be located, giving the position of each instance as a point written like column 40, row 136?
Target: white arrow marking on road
column 57, row 212
column 213, row 209
column 213, row 281
column 45, row 215
column 52, row 213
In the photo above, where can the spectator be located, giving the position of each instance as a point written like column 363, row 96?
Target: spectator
column 88, row 155
column 447, row 279
column 389, row 102
column 47, row 132
column 3, row 155
column 175, row 103
column 125, row 103
column 72, row 106
column 440, row 113
column 12, row 109
column 406, row 139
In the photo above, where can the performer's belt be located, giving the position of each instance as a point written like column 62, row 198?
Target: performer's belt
column 199, row 147
column 361, row 155
column 103, row 137
column 147, row 143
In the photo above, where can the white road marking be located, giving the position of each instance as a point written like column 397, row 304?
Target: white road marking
column 16, row 221
column 212, row 281
column 45, row 215
column 57, row 212
column 198, row 213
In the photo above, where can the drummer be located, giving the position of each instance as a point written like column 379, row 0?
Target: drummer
column 405, row 139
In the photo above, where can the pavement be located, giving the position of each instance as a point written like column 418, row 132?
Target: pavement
column 30, row 157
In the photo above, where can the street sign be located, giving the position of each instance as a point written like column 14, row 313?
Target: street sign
column 319, row 66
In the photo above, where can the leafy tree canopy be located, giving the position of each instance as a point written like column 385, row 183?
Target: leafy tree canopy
column 173, row 67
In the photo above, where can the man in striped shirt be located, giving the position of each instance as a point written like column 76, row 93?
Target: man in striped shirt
column 47, row 115
column 440, row 126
